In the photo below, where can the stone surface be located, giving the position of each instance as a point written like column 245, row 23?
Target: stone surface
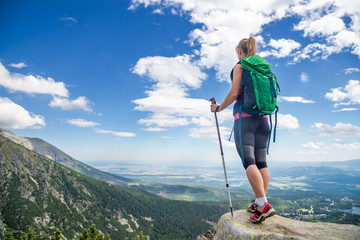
column 277, row 227
column 209, row 235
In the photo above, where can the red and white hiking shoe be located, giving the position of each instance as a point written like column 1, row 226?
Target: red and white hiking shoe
column 262, row 212
column 252, row 207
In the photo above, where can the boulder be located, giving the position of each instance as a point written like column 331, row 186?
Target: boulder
column 277, row 227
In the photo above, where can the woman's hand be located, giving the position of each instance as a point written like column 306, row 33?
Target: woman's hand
column 213, row 107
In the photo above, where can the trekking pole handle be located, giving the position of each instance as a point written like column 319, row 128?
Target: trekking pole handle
column 213, row 101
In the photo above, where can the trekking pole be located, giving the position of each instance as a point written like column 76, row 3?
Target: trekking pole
column 222, row 156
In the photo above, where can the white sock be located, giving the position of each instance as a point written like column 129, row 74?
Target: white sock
column 256, row 201
column 261, row 201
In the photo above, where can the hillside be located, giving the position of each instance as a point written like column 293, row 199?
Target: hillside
column 40, row 193
column 46, row 149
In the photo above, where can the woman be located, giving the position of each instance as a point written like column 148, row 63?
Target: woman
column 254, row 135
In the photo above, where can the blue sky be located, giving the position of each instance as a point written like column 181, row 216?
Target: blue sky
column 129, row 81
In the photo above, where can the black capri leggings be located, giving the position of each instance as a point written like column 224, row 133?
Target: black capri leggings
column 254, row 135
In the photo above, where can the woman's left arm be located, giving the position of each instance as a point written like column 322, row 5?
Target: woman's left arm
column 234, row 91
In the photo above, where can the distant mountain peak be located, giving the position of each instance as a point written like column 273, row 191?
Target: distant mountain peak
column 50, row 151
column 19, row 140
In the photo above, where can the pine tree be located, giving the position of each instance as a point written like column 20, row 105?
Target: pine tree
column 29, row 236
column 139, row 237
column 100, row 236
column 92, row 234
column 84, row 235
column 93, row 231
column 57, row 235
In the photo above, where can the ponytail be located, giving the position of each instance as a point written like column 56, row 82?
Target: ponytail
column 251, row 46
column 248, row 46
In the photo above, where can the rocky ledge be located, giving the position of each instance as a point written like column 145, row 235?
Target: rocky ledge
column 277, row 227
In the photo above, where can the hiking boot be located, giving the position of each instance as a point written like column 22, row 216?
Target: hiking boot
column 262, row 212
column 252, row 207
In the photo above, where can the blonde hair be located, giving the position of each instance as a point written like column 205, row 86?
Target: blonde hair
column 248, row 46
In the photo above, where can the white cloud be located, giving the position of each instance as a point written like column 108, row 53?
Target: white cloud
column 350, row 94
column 223, row 23
column 39, row 85
column 351, row 70
column 18, row 65
column 310, row 145
column 81, row 122
column 155, row 129
column 15, row 116
column 294, row 99
column 320, row 26
column 340, row 143
column 164, row 120
column 168, row 101
column 324, row 19
column 31, row 84
column 210, row 133
column 346, row 110
column 68, row 19
column 312, row 52
column 178, row 71
column 340, row 129
column 158, row 11
column 287, row 121
column 314, row 146
column 81, row 103
column 85, row 123
column 166, row 137
column 304, row 77
column 311, row 152
column 336, row 95
column 281, row 48
column 116, row 134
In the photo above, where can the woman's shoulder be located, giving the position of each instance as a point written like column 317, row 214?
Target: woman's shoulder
column 237, row 67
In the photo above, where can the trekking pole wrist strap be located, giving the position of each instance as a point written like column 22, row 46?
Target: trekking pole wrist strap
column 217, row 109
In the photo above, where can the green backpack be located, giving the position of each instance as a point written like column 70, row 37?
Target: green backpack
column 259, row 90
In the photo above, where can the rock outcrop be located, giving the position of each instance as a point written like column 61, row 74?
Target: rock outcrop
column 277, row 227
column 209, row 235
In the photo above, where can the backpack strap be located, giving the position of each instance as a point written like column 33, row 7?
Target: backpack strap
column 267, row 150
column 240, row 117
column 240, row 140
column 272, row 89
column 276, row 111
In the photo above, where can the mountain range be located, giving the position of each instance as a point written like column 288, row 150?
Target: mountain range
column 173, row 191
column 46, row 149
column 37, row 192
